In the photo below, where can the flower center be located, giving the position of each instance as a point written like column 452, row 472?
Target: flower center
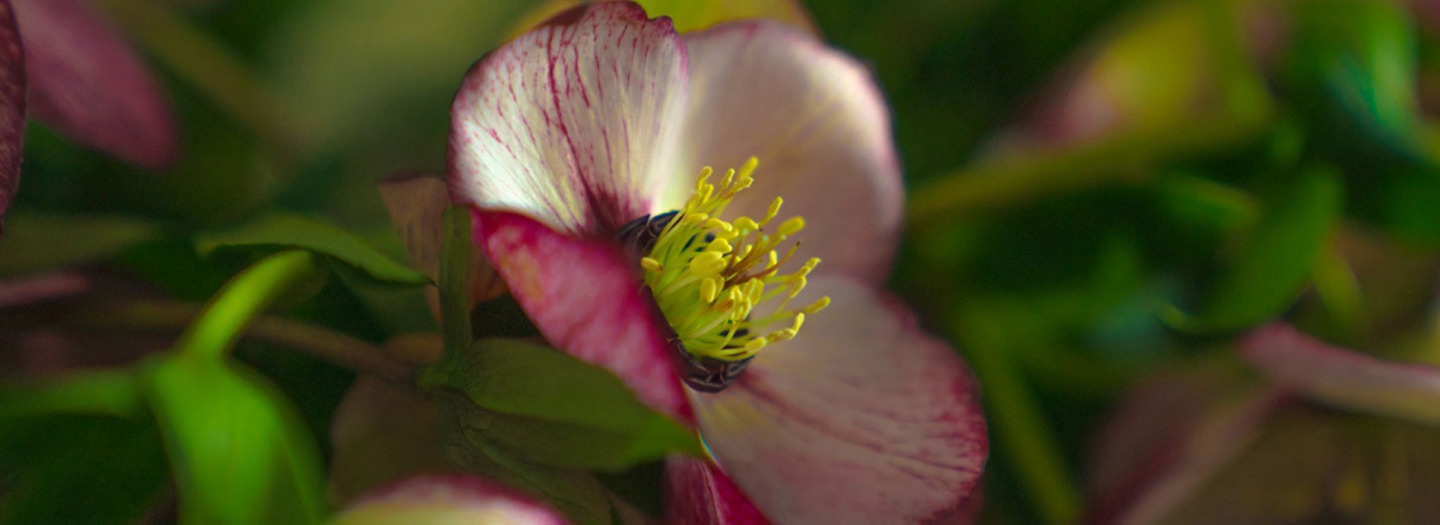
column 711, row 276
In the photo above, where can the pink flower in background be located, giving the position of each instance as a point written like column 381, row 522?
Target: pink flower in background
column 1321, row 434
column 447, row 500
column 83, row 80
column 90, row 85
column 574, row 143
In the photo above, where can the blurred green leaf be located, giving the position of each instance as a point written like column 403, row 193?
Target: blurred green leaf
column 376, row 77
column 1402, row 201
column 108, row 392
column 71, row 469
column 1276, row 259
column 1206, row 204
column 1353, row 71
column 279, row 231
column 36, row 241
column 237, row 450
column 553, row 409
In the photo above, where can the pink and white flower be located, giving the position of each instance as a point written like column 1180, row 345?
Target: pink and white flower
column 447, row 500
column 566, row 141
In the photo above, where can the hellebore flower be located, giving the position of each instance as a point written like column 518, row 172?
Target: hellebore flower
column 579, row 149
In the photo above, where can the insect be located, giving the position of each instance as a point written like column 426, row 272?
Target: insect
column 706, row 374
column 639, row 235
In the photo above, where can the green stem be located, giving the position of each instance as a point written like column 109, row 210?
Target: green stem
column 1016, row 419
column 241, row 300
column 197, row 58
column 454, row 281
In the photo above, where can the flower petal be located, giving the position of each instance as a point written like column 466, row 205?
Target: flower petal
column 861, row 419
column 586, row 298
column 573, row 123
column 1344, row 378
column 448, row 500
column 416, row 204
column 817, row 122
column 89, row 84
column 698, row 493
column 12, row 107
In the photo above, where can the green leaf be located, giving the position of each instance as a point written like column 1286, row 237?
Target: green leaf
column 1353, row 71
column 553, row 409
column 114, row 393
column 70, row 469
column 1275, row 261
column 279, row 231
column 1402, row 201
column 574, row 492
column 237, row 449
column 37, row 241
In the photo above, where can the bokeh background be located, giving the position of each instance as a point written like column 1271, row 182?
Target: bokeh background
column 1104, row 196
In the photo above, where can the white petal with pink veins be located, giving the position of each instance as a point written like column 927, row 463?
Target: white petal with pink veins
column 573, row 123
column 818, row 123
column 861, row 419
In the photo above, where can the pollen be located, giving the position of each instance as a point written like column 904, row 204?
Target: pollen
column 719, row 282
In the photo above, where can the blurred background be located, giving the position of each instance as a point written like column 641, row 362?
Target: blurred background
column 1105, row 199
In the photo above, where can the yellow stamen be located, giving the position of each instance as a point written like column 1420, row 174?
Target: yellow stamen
column 709, row 275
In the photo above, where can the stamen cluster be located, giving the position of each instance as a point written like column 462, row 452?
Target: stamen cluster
column 709, row 275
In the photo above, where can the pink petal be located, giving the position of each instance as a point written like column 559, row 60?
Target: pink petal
column 586, row 298
column 863, row 418
column 573, row 123
column 1344, row 378
column 817, row 122
column 448, row 500
column 698, row 493
column 416, row 204
column 12, row 107
column 89, row 84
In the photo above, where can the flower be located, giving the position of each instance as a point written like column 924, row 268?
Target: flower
column 447, row 499
column 84, row 80
column 573, row 144
column 1324, row 434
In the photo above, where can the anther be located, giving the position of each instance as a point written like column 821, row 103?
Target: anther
column 791, row 226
